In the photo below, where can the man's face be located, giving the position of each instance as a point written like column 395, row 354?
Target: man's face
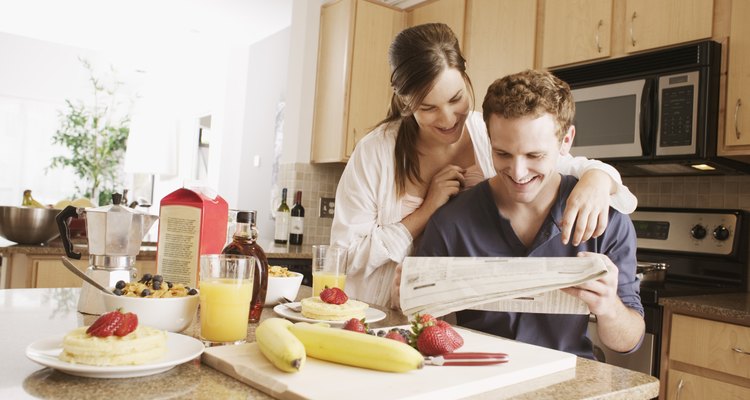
column 525, row 152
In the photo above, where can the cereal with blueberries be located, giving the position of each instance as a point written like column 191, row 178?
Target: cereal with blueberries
column 280, row 272
column 153, row 287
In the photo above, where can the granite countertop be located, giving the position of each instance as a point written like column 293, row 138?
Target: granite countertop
column 32, row 314
column 148, row 250
column 730, row 307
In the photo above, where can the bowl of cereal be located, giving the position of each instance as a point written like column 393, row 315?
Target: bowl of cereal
column 282, row 283
column 158, row 304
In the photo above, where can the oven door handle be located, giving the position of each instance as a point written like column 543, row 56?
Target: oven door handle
column 648, row 113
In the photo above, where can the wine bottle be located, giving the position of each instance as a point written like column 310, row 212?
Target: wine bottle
column 298, row 220
column 281, row 235
column 244, row 243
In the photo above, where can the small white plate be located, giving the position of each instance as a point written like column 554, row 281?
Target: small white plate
column 180, row 349
column 371, row 315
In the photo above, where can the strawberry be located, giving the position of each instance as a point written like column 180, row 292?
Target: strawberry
column 426, row 319
column 333, row 296
column 356, row 325
column 106, row 325
column 453, row 337
column 434, row 337
column 128, row 324
column 395, row 335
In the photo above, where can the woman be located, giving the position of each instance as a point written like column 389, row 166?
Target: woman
column 429, row 147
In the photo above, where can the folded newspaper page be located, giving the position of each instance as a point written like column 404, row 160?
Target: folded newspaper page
column 441, row 285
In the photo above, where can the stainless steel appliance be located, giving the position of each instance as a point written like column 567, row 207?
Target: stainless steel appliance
column 651, row 113
column 706, row 251
column 114, row 237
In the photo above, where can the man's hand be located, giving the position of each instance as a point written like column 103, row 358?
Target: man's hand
column 587, row 208
column 619, row 327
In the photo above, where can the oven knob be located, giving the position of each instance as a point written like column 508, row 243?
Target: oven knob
column 698, row 232
column 721, row 233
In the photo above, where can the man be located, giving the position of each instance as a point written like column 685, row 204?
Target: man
column 518, row 213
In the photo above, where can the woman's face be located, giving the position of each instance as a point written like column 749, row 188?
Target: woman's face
column 442, row 113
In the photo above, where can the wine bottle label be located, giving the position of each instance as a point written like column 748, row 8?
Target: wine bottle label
column 298, row 224
column 282, row 226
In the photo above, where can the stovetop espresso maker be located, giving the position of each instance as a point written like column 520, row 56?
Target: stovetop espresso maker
column 114, row 234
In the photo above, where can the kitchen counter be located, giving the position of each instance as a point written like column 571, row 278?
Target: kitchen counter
column 32, row 314
column 55, row 247
column 730, row 307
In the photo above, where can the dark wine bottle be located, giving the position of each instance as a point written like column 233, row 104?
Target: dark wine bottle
column 298, row 220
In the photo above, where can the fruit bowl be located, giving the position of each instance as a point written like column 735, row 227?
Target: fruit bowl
column 174, row 314
column 282, row 286
column 28, row 225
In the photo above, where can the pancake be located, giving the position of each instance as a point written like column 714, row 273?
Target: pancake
column 143, row 345
column 315, row 308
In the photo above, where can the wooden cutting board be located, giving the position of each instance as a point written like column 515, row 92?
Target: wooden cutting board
column 324, row 380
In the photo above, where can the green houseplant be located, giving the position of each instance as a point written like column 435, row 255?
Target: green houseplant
column 95, row 136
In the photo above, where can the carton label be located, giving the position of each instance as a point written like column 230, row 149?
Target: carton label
column 179, row 241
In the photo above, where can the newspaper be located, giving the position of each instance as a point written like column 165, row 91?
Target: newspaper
column 441, row 285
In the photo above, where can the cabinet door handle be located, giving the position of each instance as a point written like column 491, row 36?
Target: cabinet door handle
column 632, row 22
column 596, row 38
column 739, row 350
column 736, row 118
column 680, row 385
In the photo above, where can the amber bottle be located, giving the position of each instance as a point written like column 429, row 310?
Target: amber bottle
column 244, row 243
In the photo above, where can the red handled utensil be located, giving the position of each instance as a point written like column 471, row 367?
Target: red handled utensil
column 467, row 359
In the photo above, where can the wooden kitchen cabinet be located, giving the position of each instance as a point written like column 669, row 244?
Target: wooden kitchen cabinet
column 650, row 24
column 352, row 89
column 499, row 40
column 737, row 110
column 705, row 359
column 449, row 12
column 575, row 31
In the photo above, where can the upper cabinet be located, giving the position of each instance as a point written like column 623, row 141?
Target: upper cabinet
column 575, row 31
column 449, row 12
column 352, row 88
column 737, row 110
column 650, row 24
column 499, row 40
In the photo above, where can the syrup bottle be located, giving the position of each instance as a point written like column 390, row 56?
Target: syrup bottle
column 244, row 243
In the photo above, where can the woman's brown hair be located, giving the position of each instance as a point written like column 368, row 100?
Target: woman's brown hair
column 417, row 56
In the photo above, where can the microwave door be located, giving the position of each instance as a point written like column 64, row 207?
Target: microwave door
column 608, row 120
column 678, row 111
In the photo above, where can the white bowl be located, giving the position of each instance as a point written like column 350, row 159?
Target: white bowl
column 279, row 287
column 172, row 314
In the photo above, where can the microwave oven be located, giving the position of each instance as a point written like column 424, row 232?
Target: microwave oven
column 653, row 113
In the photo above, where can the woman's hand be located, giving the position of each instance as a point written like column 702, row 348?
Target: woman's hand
column 587, row 208
column 446, row 183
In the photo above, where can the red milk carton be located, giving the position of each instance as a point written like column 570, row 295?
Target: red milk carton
column 191, row 223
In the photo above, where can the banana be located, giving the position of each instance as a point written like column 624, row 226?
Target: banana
column 357, row 349
column 279, row 346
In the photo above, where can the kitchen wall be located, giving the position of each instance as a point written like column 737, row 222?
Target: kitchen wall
column 692, row 191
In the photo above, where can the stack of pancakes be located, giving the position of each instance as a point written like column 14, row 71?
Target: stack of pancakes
column 315, row 308
column 138, row 347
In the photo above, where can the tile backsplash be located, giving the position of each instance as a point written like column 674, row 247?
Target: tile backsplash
column 320, row 180
column 315, row 181
column 692, row 191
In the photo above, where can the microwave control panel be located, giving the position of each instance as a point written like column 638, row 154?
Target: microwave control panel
column 678, row 110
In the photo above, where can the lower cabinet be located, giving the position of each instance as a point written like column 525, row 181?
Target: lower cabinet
column 706, row 359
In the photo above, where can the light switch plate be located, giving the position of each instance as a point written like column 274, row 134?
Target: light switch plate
column 327, row 207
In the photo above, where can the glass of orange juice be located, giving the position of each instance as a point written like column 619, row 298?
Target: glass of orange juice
column 226, row 288
column 328, row 268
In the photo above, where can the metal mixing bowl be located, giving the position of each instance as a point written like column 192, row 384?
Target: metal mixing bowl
column 28, row 225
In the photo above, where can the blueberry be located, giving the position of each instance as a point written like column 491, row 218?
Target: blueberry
column 158, row 278
column 146, row 278
column 169, row 285
column 192, row 292
column 120, row 285
column 117, row 291
column 145, row 292
column 156, row 285
column 381, row 333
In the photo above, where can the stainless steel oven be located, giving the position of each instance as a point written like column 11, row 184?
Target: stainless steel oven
column 706, row 251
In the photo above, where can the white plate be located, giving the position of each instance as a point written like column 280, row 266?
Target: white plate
column 180, row 349
column 371, row 315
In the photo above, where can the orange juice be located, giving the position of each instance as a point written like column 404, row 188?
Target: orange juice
column 323, row 279
column 225, row 304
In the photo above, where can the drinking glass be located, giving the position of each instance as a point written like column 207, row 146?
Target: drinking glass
column 328, row 267
column 226, row 288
